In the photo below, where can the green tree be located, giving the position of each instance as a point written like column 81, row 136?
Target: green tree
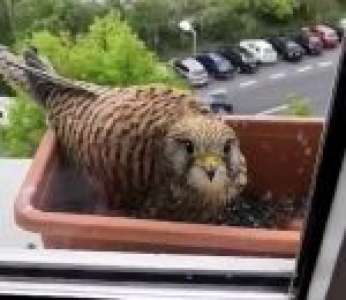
column 73, row 16
column 322, row 10
column 25, row 129
column 110, row 53
column 155, row 21
column 277, row 10
column 6, row 23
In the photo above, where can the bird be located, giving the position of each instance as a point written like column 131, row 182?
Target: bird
column 150, row 151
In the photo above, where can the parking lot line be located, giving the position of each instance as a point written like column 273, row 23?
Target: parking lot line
column 304, row 69
column 324, row 64
column 247, row 83
column 277, row 76
column 272, row 110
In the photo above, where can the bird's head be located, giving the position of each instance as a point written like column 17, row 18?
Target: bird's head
column 204, row 154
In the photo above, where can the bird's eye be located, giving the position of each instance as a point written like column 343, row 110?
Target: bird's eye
column 227, row 147
column 188, row 145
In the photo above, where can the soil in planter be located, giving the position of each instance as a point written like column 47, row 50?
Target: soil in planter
column 250, row 211
column 70, row 192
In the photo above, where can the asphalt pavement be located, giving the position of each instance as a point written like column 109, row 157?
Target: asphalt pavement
column 269, row 89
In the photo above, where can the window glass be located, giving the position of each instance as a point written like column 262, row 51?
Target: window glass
column 244, row 52
column 143, row 167
column 182, row 67
column 331, row 34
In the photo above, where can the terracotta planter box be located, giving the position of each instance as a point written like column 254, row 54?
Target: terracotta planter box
column 280, row 155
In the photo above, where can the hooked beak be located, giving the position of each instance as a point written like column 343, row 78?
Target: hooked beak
column 209, row 162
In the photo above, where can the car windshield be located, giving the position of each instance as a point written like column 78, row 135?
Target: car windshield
column 220, row 61
column 331, row 34
column 193, row 64
column 244, row 52
column 217, row 58
column 314, row 39
column 291, row 44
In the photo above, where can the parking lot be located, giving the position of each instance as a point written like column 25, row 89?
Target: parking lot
column 268, row 90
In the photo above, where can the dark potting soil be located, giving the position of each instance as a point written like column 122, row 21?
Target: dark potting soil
column 248, row 211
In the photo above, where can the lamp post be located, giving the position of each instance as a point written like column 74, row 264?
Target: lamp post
column 187, row 27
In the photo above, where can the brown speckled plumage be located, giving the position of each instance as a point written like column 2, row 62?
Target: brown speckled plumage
column 127, row 140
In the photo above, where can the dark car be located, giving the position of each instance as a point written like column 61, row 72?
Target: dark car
column 240, row 58
column 219, row 102
column 311, row 43
column 288, row 48
column 216, row 65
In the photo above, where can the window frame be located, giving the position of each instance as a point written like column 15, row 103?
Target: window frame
column 322, row 195
column 115, row 270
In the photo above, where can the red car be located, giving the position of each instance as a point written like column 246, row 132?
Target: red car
column 327, row 35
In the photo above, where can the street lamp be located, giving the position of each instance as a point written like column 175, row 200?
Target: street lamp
column 187, row 27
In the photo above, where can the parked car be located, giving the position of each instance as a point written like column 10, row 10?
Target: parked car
column 289, row 49
column 219, row 102
column 311, row 43
column 216, row 65
column 240, row 58
column 338, row 28
column 192, row 70
column 260, row 49
column 328, row 35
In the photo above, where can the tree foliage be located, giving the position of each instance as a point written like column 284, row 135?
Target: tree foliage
column 277, row 10
column 6, row 25
column 55, row 16
column 109, row 53
column 26, row 127
column 322, row 10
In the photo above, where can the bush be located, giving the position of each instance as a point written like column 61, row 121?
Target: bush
column 110, row 53
column 276, row 10
column 299, row 106
column 25, row 129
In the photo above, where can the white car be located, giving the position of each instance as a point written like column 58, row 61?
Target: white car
column 261, row 50
column 192, row 70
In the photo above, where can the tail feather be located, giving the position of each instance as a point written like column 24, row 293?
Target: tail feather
column 40, row 80
column 10, row 70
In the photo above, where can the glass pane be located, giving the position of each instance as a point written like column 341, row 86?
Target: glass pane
column 215, row 160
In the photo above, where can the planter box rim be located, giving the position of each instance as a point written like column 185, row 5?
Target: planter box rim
column 155, row 232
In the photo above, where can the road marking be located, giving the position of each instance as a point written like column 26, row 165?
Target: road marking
column 277, row 75
column 247, row 83
column 304, row 69
column 324, row 64
column 272, row 110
